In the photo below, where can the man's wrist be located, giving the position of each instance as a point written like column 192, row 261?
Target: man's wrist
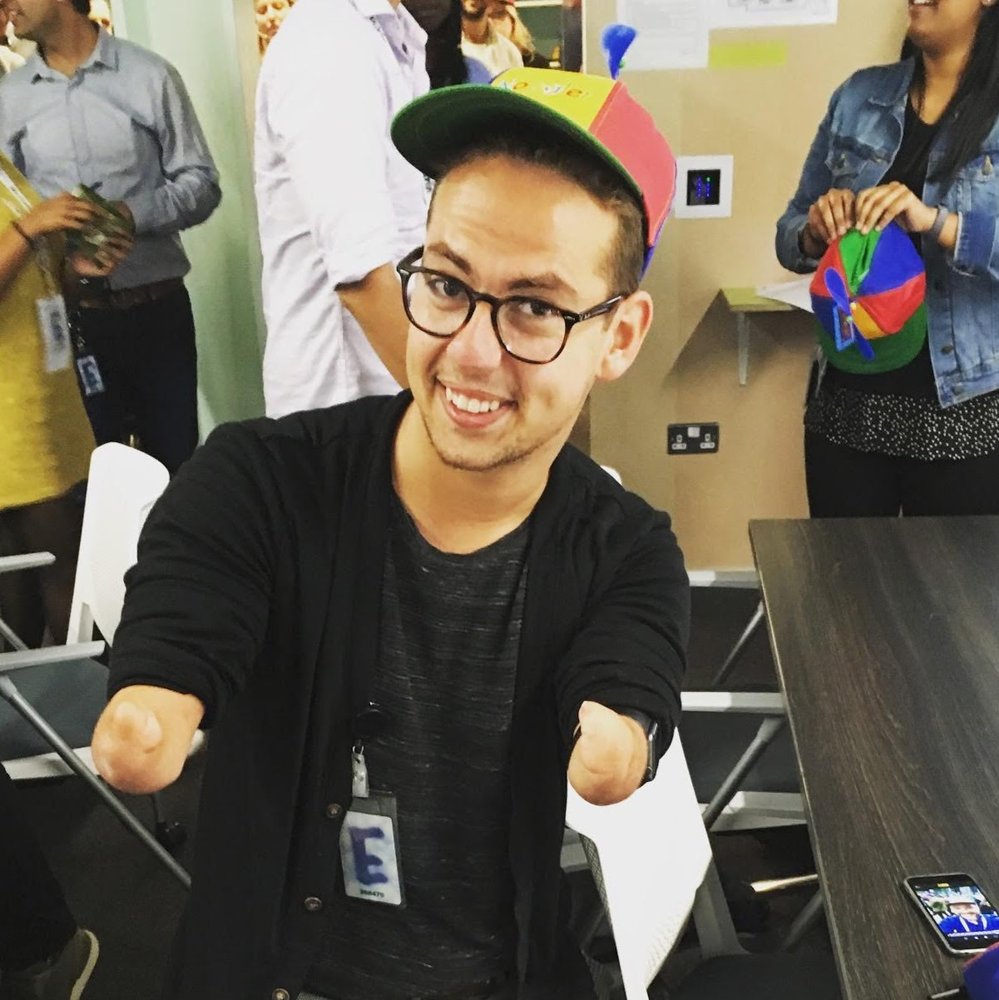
column 647, row 731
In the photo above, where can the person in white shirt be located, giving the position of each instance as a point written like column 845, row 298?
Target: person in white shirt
column 337, row 204
column 481, row 41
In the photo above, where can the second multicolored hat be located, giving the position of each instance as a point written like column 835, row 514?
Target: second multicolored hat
column 868, row 295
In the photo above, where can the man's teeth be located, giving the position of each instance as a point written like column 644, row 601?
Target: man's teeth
column 471, row 405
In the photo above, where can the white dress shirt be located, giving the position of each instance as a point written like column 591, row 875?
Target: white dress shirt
column 9, row 60
column 335, row 199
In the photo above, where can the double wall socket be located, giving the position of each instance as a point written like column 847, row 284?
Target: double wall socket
column 692, row 439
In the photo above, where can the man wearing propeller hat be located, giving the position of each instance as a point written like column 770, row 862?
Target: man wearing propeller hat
column 410, row 621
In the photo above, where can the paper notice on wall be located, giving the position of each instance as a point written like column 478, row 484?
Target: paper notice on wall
column 795, row 293
column 771, row 13
column 672, row 34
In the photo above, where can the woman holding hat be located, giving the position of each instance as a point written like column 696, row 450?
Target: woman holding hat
column 915, row 142
column 46, row 441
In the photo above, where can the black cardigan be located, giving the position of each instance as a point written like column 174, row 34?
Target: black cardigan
column 258, row 586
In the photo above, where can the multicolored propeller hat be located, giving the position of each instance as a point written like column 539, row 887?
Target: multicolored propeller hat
column 597, row 115
column 868, row 287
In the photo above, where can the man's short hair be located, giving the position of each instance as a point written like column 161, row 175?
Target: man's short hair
column 81, row 6
column 626, row 256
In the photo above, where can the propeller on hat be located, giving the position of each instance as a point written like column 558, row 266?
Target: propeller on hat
column 615, row 40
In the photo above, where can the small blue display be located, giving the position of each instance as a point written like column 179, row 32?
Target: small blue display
column 704, row 187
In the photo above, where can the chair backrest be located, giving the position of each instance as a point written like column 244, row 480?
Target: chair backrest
column 651, row 855
column 124, row 484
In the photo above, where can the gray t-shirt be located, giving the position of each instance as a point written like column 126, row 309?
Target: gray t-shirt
column 450, row 633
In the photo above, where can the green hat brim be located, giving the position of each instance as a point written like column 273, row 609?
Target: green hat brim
column 431, row 129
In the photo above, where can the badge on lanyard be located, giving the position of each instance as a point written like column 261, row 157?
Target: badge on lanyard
column 53, row 322
column 90, row 375
column 369, row 846
column 53, row 319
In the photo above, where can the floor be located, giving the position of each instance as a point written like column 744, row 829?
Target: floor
column 120, row 891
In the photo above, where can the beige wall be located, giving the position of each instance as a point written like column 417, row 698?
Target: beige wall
column 688, row 369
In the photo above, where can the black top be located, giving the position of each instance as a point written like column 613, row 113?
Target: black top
column 447, row 660
column 258, row 589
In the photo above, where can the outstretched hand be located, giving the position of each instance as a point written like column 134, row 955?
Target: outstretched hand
column 610, row 756
column 142, row 738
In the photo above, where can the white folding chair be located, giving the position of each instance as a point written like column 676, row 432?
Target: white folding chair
column 651, row 860
column 123, row 486
column 652, row 863
column 62, row 684
column 730, row 806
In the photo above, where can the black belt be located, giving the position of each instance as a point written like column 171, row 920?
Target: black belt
column 97, row 296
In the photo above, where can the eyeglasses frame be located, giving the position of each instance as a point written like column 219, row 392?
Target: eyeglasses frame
column 406, row 268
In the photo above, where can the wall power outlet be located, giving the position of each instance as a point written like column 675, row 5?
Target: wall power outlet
column 692, row 439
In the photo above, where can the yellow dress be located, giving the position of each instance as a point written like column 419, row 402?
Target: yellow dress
column 45, row 437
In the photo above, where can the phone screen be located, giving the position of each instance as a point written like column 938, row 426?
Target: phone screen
column 958, row 909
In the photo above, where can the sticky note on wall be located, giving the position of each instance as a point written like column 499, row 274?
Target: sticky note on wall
column 747, row 55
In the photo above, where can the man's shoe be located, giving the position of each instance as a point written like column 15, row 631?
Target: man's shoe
column 62, row 977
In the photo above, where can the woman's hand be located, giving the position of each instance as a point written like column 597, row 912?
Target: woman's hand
column 64, row 211
column 877, row 206
column 830, row 217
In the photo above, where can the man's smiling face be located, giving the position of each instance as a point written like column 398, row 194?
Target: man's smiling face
column 506, row 228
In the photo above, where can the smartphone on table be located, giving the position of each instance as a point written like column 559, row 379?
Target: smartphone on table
column 954, row 905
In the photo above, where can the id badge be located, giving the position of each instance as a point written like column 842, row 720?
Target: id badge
column 53, row 322
column 369, row 850
column 90, row 375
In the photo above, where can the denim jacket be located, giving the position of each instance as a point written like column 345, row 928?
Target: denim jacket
column 856, row 144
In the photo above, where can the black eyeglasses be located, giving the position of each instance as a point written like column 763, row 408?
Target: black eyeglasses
column 528, row 329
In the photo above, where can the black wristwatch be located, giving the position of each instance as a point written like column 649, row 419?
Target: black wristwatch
column 651, row 727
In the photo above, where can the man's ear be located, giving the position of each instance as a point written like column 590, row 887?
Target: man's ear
column 630, row 324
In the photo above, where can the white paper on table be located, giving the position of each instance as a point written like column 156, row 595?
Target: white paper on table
column 770, row 13
column 794, row 293
column 672, row 34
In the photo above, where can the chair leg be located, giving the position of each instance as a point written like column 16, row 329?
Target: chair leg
column 12, row 638
column 769, row 729
column 810, row 915
column 13, row 697
column 740, row 644
column 712, row 918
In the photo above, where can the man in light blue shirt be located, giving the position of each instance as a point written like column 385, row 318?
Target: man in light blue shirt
column 91, row 109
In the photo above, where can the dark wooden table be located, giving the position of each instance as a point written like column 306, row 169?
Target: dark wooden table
column 886, row 638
